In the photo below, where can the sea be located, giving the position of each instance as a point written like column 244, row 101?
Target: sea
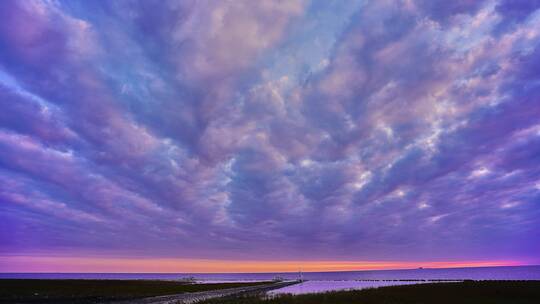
column 319, row 281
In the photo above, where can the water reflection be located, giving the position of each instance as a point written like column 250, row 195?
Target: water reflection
column 324, row 286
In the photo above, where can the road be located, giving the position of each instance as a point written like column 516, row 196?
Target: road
column 194, row 297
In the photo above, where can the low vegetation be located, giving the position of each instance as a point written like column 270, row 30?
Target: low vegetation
column 94, row 291
column 468, row 292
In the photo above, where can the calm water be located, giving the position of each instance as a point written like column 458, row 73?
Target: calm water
column 319, row 281
column 322, row 286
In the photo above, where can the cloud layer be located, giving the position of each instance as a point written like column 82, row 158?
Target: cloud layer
column 283, row 130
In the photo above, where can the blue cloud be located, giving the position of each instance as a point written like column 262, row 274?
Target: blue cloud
column 223, row 129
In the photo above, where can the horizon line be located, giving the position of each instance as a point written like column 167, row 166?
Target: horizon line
column 32, row 264
column 357, row 270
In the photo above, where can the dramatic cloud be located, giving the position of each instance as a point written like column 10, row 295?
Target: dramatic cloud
column 271, row 130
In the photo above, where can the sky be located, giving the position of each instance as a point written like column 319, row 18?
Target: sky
column 268, row 135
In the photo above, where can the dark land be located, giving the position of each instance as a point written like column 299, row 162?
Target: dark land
column 96, row 291
column 467, row 292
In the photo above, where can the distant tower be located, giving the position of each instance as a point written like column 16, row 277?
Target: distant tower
column 300, row 276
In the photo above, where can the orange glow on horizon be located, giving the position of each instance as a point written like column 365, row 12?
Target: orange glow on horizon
column 141, row 265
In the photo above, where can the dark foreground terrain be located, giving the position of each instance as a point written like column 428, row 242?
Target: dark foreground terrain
column 468, row 292
column 95, row 291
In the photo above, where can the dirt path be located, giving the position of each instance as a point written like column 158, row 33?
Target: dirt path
column 194, row 297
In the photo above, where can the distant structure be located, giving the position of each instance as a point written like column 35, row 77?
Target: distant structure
column 188, row 280
column 300, row 275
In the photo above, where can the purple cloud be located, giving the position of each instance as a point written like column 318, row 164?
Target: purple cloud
column 202, row 129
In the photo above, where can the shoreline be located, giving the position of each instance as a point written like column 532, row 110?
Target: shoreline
column 465, row 292
column 151, row 291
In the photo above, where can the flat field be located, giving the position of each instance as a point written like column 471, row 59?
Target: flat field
column 94, row 291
